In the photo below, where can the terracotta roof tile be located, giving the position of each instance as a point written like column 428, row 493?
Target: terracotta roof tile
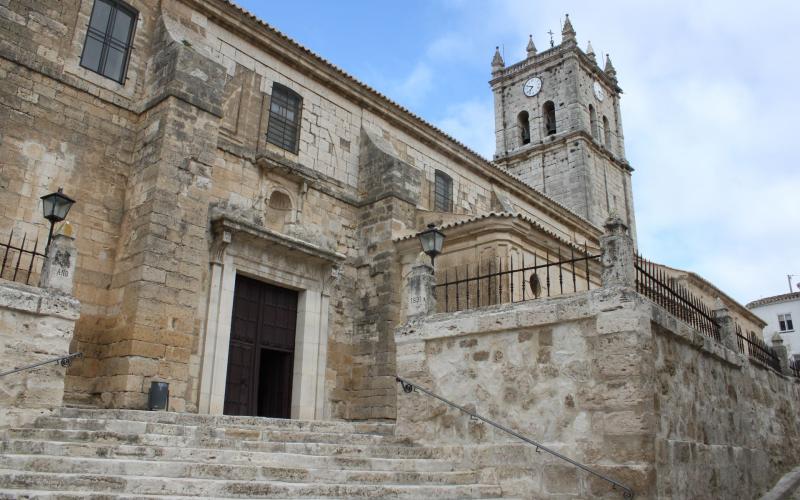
column 490, row 215
column 774, row 299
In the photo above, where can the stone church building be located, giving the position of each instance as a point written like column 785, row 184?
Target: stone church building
column 245, row 230
column 220, row 167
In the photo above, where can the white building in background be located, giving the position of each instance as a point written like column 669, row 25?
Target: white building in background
column 782, row 313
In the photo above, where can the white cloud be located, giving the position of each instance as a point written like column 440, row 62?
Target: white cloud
column 412, row 90
column 709, row 113
column 467, row 122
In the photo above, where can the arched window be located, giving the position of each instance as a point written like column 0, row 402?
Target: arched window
column 593, row 121
column 607, row 130
column 549, row 112
column 525, row 127
column 443, row 192
column 279, row 210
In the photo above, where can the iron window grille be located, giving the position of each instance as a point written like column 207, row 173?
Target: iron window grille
column 284, row 118
column 443, row 192
column 109, row 36
column 785, row 322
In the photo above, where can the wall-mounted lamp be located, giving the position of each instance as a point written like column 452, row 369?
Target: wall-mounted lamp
column 55, row 207
column 432, row 241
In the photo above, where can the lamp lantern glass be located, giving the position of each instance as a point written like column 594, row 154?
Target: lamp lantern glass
column 55, row 207
column 432, row 241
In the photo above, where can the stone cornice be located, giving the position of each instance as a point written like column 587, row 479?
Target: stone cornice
column 222, row 224
column 559, row 141
column 551, row 57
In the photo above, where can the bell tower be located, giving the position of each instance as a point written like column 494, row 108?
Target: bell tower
column 558, row 128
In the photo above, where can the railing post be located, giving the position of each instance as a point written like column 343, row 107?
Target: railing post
column 58, row 271
column 782, row 352
column 618, row 254
column 421, row 297
column 727, row 325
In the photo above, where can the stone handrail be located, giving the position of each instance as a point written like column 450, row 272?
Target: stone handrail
column 64, row 361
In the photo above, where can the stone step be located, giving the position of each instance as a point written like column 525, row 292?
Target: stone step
column 162, row 440
column 195, row 470
column 220, row 488
column 230, row 421
column 223, row 456
column 49, row 495
column 249, row 432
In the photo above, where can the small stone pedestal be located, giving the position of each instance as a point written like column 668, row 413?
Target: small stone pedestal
column 782, row 352
column 618, row 254
column 421, row 284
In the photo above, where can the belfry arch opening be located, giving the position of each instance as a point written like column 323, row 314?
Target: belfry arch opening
column 593, row 121
column 607, row 132
column 549, row 113
column 525, row 127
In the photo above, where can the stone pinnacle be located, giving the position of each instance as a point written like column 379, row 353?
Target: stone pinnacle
column 567, row 31
column 497, row 60
column 609, row 69
column 531, row 48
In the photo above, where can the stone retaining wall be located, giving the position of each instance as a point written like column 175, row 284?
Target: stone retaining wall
column 36, row 324
column 609, row 379
column 727, row 427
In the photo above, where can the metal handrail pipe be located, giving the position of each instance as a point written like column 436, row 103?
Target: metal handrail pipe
column 61, row 360
column 409, row 387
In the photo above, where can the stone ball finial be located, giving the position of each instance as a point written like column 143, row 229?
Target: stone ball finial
column 777, row 339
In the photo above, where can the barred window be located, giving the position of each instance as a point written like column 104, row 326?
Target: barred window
column 785, row 322
column 109, row 36
column 443, row 193
column 284, row 118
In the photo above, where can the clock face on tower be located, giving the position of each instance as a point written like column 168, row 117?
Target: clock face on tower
column 599, row 93
column 532, row 87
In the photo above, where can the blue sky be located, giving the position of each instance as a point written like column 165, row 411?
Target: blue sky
column 710, row 107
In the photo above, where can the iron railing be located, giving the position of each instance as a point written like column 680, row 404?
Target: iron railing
column 409, row 387
column 64, row 361
column 754, row 347
column 653, row 283
column 500, row 281
column 20, row 261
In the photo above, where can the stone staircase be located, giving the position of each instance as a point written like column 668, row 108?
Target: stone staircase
column 126, row 454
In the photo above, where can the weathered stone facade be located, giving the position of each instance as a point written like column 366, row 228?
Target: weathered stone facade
column 153, row 159
column 180, row 193
column 609, row 379
column 36, row 328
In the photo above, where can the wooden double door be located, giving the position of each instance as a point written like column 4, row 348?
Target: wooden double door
column 261, row 353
